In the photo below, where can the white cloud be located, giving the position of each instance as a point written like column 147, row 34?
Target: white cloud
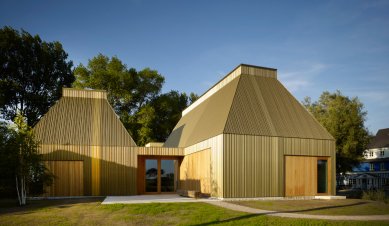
column 378, row 96
column 296, row 80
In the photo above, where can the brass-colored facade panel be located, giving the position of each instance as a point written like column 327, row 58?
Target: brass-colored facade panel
column 82, row 121
column 69, row 178
column 262, row 106
column 253, row 166
column 113, row 173
column 205, row 121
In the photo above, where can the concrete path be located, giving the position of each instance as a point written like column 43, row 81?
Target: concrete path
column 148, row 199
column 246, row 209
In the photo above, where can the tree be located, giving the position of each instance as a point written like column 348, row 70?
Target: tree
column 169, row 107
column 7, row 160
column 156, row 120
column 128, row 89
column 344, row 119
column 21, row 161
column 135, row 97
column 32, row 74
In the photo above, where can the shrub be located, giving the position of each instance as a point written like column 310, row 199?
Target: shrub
column 378, row 195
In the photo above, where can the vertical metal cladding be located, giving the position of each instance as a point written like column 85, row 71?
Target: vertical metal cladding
column 69, row 179
column 82, row 126
column 254, row 165
column 113, row 173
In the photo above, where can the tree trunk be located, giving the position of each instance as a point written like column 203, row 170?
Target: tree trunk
column 17, row 190
column 23, row 183
column 21, row 190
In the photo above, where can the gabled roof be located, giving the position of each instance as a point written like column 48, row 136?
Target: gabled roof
column 251, row 101
column 82, row 117
column 381, row 140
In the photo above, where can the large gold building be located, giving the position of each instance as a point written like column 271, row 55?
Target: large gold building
column 247, row 136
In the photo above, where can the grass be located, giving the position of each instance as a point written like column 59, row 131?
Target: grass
column 90, row 212
column 322, row 207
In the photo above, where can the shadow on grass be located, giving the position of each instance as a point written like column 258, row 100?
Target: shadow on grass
column 229, row 220
column 322, row 208
column 275, row 212
column 12, row 206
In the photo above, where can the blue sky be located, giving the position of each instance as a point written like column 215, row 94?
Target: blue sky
column 315, row 45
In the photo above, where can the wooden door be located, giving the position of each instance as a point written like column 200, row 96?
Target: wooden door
column 301, row 176
column 68, row 178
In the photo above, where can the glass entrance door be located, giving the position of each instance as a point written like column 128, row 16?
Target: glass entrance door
column 151, row 176
column 160, row 175
column 167, row 175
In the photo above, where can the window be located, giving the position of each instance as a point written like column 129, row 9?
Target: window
column 352, row 181
column 382, row 153
column 371, row 153
column 382, row 166
column 371, row 167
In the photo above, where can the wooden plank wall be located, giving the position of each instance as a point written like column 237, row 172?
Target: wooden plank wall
column 106, row 170
column 215, row 144
column 160, row 151
column 301, row 175
column 83, row 93
column 68, row 180
column 195, row 172
column 254, row 165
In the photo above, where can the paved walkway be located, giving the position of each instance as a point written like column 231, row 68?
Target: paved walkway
column 246, row 209
column 148, row 199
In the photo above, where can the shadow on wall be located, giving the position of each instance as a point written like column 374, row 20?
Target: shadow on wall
column 196, row 185
column 100, row 177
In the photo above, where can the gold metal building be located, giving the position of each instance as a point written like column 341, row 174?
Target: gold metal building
column 247, row 136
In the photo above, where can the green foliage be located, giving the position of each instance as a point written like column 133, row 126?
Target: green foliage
column 7, row 160
column 19, row 159
column 32, row 74
column 135, row 97
column 344, row 118
column 127, row 88
column 160, row 116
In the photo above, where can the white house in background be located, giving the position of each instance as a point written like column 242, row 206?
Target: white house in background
column 373, row 172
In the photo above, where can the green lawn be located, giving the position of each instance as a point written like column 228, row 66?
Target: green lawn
column 90, row 212
column 322, row 207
